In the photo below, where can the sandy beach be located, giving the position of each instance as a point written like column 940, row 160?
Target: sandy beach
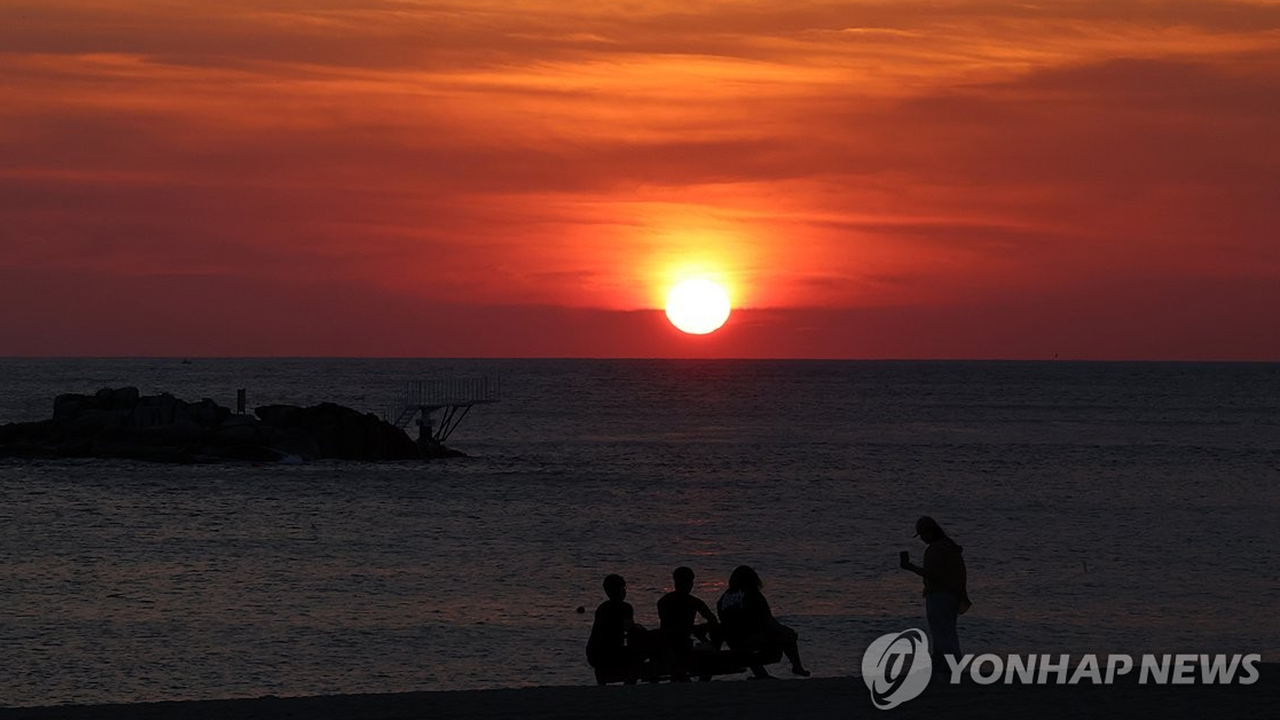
column 817, row 698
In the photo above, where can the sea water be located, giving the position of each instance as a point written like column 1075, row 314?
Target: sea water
column 1111, row 508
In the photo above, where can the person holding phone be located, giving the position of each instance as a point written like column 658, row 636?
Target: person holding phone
column 946, row 594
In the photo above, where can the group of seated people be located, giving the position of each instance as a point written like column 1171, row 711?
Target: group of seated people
column 621, row 650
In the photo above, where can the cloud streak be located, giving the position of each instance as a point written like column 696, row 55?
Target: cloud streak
column 822, row 157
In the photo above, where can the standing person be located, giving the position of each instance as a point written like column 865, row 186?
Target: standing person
column 946, row 593
column 678, row 613
column 614, row 646
column 748, row 623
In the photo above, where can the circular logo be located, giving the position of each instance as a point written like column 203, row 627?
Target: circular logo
column 896, row 667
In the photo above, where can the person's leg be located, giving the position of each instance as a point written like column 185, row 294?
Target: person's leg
column 941, row 609
column 789, row 641
column 643, row 645
column 753, row 646
column 680, row 659
column 612, row 665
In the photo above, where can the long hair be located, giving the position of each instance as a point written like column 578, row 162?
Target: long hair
column 744, row 578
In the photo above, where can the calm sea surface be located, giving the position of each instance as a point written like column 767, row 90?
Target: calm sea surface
column 1104, row 507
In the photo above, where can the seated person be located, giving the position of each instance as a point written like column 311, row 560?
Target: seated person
column 747, row 622
column 614, row 648
column 678, row 613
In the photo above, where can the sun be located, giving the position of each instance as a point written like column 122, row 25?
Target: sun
column 697, row 306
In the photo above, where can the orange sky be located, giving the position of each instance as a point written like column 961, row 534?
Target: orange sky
column 941, row 179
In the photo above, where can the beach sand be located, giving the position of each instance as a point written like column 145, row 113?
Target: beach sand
column 739, row 699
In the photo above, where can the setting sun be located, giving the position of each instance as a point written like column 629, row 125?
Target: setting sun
column 698, row 306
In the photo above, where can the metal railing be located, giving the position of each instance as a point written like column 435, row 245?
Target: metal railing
column 427, row 395
column 460, row 391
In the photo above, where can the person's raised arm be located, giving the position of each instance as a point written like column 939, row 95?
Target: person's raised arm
column 930, row 565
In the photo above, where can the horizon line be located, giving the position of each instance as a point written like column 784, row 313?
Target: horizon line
column 1073, row 360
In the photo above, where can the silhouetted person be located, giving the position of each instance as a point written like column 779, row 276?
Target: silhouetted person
column 946, row 592
column 747, row 623
column 614, row 646
column 678, row 613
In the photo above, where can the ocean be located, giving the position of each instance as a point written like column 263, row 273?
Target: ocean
column 1103, row 507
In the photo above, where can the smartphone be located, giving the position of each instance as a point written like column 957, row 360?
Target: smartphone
column 904, row 557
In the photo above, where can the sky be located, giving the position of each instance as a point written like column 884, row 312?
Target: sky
column 1096, row 179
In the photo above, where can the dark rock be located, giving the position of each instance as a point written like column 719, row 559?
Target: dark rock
column 88, row 422
column 118, row 423
column 208, row 413
column 251, row 453
column 70, row 405
column 124, row 398
column 155, row 410
column 341, row 432
column 436, row 451
column 280, row 415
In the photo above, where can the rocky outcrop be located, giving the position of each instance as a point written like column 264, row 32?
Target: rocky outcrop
column 340, row 432
column 119, row 423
